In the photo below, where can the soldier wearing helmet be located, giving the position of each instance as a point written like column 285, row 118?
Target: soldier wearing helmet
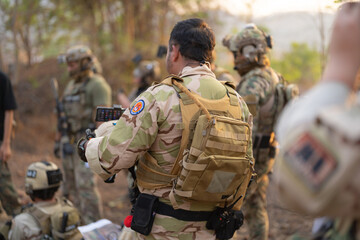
column 86, row 90
column 37, row 220
column 257, row 86
column 144, row 75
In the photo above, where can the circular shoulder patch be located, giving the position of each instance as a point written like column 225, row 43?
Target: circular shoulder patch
column 138, row 107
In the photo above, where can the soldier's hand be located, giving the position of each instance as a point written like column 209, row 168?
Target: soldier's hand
column 5, row 152
column 57, row 149
column 344, row 49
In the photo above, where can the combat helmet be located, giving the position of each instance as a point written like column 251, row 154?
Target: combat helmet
column 42, row 176
column 148, row 72
column 83, row 55
column 251, row 43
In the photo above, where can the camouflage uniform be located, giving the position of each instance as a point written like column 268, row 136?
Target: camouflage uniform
column 257, row 86
column 25, row 226
column 156, row 129
column 44, row 218
column 8, row 194
column 81, row 97
column 317, row 172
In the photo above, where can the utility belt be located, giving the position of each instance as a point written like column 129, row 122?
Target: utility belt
column 224, row 221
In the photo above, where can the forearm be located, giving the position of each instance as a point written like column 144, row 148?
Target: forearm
column 8, row 124
column 306, row 108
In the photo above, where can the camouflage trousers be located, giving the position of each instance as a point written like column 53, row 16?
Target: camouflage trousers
column 168, row 228
column 8, row 194
column 254, row 207
column 80, row 187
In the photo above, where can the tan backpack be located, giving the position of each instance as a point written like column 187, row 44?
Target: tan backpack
column 62, row 223
column 212, row 165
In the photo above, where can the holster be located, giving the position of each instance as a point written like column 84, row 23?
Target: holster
column 144, row 213
column 225, row 222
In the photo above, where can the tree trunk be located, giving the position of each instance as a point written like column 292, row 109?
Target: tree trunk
column 14, row 70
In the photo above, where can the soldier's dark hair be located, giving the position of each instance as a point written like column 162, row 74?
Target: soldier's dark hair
column 44, row 194
column 195, row 38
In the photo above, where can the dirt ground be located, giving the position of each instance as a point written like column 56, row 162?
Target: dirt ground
column 34, row 142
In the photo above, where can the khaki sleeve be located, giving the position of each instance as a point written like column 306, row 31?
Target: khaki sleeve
column 101, row 95
column 132, row 136
column 24, row 227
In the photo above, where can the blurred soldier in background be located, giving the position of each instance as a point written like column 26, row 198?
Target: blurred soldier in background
column 84, row 92
column 144, row 75
column 318, row 169
column 266, row 95
column 45, row 218
column 8, row 194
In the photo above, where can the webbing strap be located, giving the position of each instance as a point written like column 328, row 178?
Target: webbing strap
column 225, row 146
column 232, row 95
column 190, row 95
column 231, row 135
column 183, row 193
column 194, row 166
column 195, row 152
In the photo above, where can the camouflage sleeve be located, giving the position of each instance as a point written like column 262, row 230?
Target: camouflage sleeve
column 101, row 93
column 256, row 91
column 247, row 117
column 132, row 136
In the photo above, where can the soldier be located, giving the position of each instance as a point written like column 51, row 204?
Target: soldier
column 8, row 194
column 257, row 87
column 82, row 95
column 144, row 75
column 40, row 220
column 155, row 131
column 319, row 162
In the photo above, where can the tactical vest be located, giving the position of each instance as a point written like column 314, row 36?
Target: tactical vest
column 60, row 223
column 211, row 165
column 77, row 112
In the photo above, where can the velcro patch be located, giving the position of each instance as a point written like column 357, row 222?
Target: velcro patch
column 312, row 162
column 31, row 174
column 138, row 107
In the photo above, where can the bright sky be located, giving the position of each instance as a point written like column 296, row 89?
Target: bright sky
column 268, row 7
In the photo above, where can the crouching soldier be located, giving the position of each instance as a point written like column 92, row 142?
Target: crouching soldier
column 47, row 217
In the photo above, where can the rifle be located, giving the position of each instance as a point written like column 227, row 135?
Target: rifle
column 62, row 124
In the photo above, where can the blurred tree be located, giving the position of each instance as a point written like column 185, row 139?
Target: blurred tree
column 300, row 65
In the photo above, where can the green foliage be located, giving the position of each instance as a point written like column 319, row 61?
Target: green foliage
column 300, row 65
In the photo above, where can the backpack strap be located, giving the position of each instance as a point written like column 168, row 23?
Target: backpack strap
column 41, row 218
column 188, row 104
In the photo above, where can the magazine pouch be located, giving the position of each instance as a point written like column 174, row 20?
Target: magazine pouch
column 144, row 213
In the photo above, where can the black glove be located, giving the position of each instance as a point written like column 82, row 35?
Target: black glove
column 81, row 148
column 57, row 149
column 82, row 142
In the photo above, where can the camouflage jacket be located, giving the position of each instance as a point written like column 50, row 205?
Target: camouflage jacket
column 257, row 87
column 81, row 97
column 153, row 124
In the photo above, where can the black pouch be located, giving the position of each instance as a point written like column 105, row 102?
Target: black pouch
column 225, row 222
column 144, row 213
